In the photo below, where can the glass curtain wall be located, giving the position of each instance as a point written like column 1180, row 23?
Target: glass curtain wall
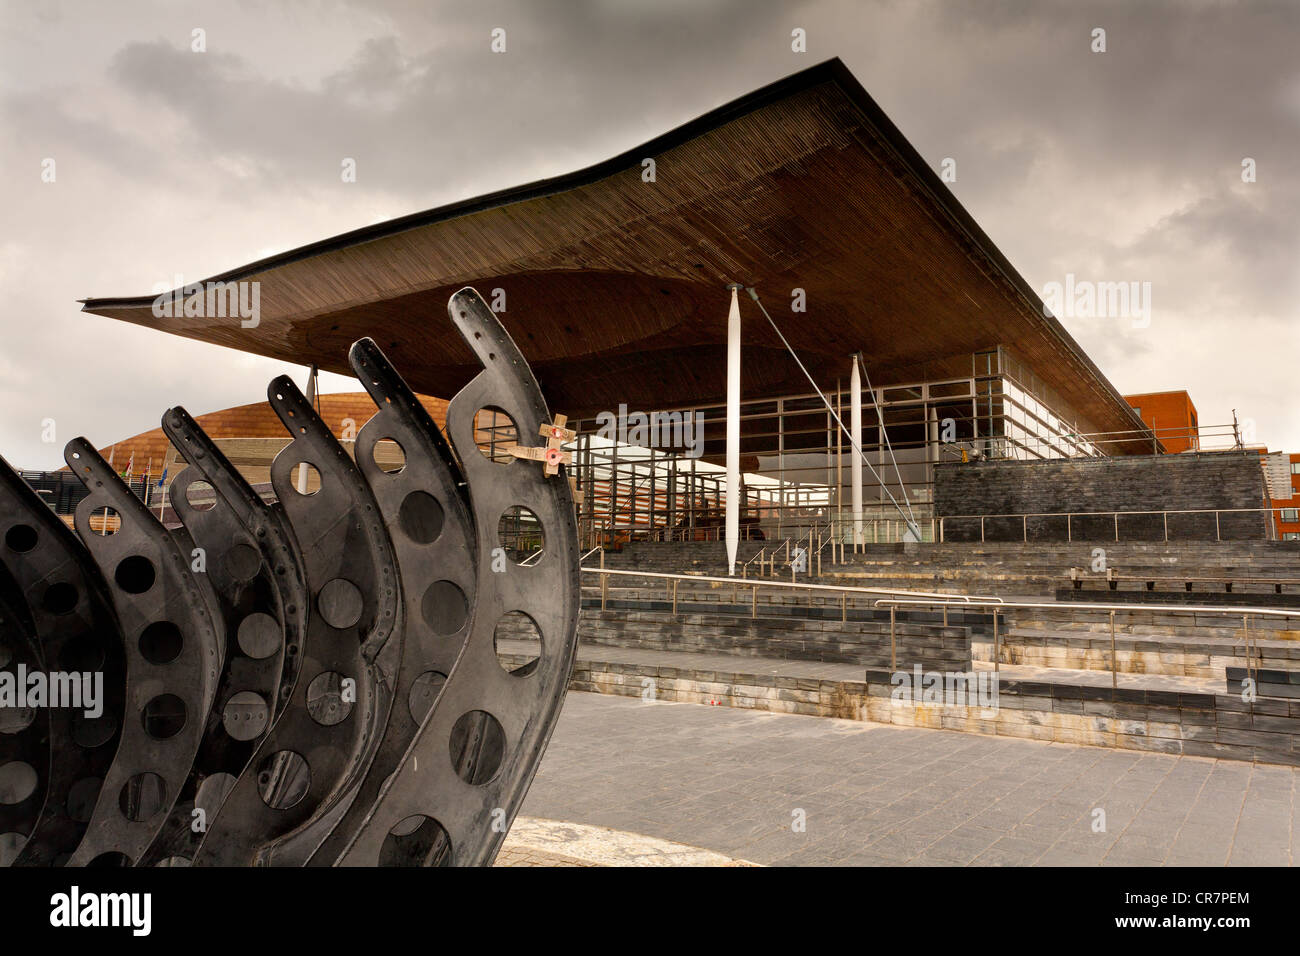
column 639, row 479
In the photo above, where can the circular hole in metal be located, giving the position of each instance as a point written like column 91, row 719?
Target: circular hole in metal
column 325, row 699
column 444, row 607
column 307, row 484
column 245, row 715
column 283, row 779
column 519, row 532
column 16, row 719
column 518, row 643
column 141, row 798
column 164, row 716
column 105, row 521
column 420, row 517
column 494, row 433
column 110, row 860
column 17, row 782
column 161, row 642
column 243, row 561
column 11, row 844
column 259, row 635
column 201, row 496
column 59, row 598
column 478, row 746
column 416, row 841
column 92, row 732
column 82, row 652
column 212, row 793
column 389, row 456
column 82, row 797
column 134, row 574
column 340, row 603
column 21, row 538
column 424, row 691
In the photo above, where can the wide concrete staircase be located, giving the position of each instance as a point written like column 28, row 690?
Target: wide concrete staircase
column 1043, row 569
column 1169, row 679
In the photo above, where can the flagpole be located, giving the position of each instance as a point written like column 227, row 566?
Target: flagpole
column 732, row 500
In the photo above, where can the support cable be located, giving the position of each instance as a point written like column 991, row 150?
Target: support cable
column 884, row 433
column 911, row 524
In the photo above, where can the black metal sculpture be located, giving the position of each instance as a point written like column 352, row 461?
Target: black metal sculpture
column 312, row 681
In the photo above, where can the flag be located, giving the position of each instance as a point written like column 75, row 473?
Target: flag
column 129, row 465
column 163, row 477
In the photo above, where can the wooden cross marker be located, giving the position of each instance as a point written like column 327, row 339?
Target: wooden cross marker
column 552, row 455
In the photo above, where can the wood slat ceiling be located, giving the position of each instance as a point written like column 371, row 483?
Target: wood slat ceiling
column 616, row 287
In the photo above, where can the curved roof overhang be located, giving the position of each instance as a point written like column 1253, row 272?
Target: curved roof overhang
column 615, row 287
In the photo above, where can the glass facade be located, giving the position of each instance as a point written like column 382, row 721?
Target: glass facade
column 668, row 482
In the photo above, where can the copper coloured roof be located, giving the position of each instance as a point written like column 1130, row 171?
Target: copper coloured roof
column 615, row 287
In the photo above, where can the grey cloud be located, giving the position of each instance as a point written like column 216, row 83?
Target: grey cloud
column 1123, row 165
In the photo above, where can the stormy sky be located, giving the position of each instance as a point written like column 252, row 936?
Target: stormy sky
column 1117, row 166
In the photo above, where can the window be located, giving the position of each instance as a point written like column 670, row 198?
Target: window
column 1291, row 536
column 1137, row 410
column 1295, row 467
column 1290, row 515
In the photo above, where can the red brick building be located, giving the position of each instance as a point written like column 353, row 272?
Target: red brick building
column 1287, row 518
column 343, row 412
column 1172, row 416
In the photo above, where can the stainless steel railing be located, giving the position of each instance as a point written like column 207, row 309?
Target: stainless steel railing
column 1245, row 613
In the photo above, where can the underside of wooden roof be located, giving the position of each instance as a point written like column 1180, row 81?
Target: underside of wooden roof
column 615, row 288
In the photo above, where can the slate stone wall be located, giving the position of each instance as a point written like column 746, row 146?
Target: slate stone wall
column 1202, row 480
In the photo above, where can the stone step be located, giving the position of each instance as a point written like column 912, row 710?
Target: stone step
column 858, row 642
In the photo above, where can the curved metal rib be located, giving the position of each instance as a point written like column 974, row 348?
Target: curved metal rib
column 429, row 521
column 174, row 645
column 462, row 780
column 258, row 578
column 25, row 729
column 331, row 723
column 77, row 633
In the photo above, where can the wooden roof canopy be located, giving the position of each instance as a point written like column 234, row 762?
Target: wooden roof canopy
column 616, row 287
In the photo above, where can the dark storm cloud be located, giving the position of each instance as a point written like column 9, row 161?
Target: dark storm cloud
column 1116, row 166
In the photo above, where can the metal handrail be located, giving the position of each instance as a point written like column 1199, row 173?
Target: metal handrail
column 1024, row 517
column 1079, row 577
column 846, row 589
column 1098, row 606
column 964, row 601
column 1079, row 514
column 1245, row 613
column 536, row 556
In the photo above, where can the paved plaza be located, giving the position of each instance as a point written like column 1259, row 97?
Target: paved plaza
column 740, row 782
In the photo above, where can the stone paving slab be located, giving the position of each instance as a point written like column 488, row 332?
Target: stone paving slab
column 534, row 842
column 740, row 783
